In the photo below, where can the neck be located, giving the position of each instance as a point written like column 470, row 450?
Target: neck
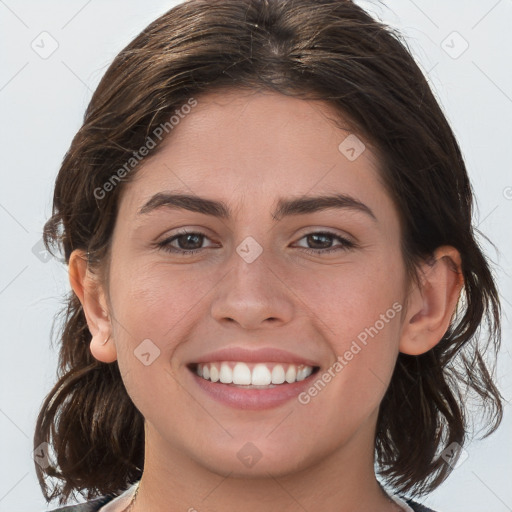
column 340, row 481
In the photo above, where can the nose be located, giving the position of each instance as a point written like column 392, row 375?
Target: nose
column 254, row 294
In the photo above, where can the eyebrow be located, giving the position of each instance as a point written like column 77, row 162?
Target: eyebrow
column 285, row 206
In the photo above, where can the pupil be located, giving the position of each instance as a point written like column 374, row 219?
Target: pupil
column 318, row 236
column 187, row 238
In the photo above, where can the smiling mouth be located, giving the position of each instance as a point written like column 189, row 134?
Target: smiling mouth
column 262, row 375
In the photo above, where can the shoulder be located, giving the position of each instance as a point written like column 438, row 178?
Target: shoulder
column 89, row 506
column 417, row 507
column 96, row 504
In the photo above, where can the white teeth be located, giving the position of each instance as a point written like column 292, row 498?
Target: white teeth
column 241, row 374
column 278, row 375
column 261, row 376
column 226, row 374
column 214, row 373
column 304, row 372
column 291, row 374
column 253, row 374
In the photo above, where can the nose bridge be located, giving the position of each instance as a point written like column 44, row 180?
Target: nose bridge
column 252, row 292
column 252, row 265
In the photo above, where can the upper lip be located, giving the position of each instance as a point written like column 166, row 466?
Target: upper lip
column 262, row 355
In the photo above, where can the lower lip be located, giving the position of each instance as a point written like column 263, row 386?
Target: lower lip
column 253, row 399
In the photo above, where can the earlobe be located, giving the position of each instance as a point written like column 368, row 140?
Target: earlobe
column 431, row 306
column 103, row 350
column 92, row 297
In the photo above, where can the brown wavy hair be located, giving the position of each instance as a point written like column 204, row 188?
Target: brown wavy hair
column 329, row 50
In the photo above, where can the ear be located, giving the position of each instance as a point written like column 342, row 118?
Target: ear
column 431, row 306
column 92, row 296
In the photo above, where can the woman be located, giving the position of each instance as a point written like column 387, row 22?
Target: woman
column 276, row 286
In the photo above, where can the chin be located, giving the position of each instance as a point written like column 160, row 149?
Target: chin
column 255, row 460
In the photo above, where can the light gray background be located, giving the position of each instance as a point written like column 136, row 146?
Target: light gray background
column 42, row 102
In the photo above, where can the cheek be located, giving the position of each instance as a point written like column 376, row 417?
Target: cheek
column 153, row 302
column 357, row 309
column 348, row 299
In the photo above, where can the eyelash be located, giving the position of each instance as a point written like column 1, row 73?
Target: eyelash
column 165, row 244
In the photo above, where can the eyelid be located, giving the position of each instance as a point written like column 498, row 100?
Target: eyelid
column 184, row 230
column 345, row 243
column 328, row 231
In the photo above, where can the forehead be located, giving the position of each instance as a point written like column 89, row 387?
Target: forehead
column 248, row 147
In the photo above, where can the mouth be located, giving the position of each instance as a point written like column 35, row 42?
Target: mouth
column 251, row 385
column 245, row 375
column 256, row 378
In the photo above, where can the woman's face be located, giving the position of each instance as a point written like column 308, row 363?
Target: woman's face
column 252, row 287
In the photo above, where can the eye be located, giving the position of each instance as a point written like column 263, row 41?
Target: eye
column 190, row 242
column 322, row 238
column 187, row 242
